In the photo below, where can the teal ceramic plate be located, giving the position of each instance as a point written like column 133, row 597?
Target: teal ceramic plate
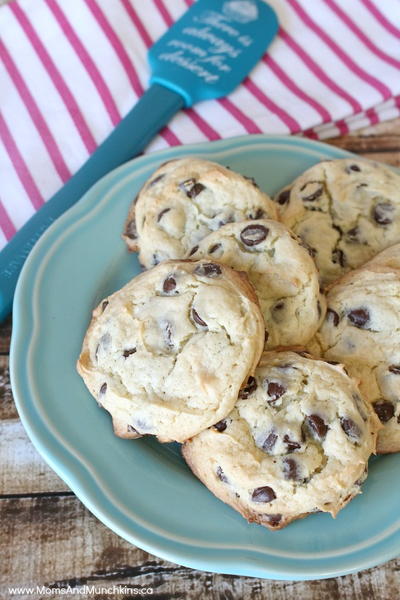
column 141, row 489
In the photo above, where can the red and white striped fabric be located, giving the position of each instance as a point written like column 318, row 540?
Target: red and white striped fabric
column 70, row 70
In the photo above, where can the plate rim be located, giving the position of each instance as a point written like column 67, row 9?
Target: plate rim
column 75, row 472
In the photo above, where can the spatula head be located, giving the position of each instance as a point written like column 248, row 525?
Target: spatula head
column 212, row 47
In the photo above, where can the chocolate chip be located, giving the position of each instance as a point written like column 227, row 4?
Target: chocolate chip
column 169, row 284
column 279, row 305
column 196, row 190
column 162, row 213
column 384, row 410
column 250, row 387
column 257, row 215
column 214, row 248
column 191, row 187
column 127, row 353
column 290, row 444
column 156, row 180
column 193, row 250
column 274, row 390
column 283, row 197
column 103, row 389
column 290, row 469
column 208, row 270
column 269, row 442
column 317, row 426
column 382, row 213
column 131, row 230
column 332, row 315
column 104, row 305
column 273, row 520
column 221, row 425
column 359, row 317
column 155, row 260
column 352, row 234
column 131, row 429
column 314, row 196
column 221, row 475
column 352, row 168
column 350, row 428
column 339, row 257
column 263, row 494
column 197, row 319
column 395, row 369
column 253, row 234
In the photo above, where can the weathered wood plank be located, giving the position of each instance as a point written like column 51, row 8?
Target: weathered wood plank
column 5, row 335
column 363, row 145
column 7, row 406
column 59, row 543
column 381, row 142
column 23, row 471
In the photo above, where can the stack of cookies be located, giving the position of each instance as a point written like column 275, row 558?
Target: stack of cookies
column 278, row 391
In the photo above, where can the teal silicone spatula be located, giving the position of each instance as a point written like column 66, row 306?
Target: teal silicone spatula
column 205, row 55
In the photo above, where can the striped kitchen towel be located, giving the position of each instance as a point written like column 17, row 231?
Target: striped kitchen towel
column 71, row 69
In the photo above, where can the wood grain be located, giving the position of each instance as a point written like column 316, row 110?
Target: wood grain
column 55, row 541
column 23, row 471
column 5, row 336
column 381, row 142
column 49, row 538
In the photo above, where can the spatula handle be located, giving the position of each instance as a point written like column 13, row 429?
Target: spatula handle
column 154, row 110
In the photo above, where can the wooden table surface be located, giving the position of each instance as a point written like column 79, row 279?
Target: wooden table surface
column 48, row 538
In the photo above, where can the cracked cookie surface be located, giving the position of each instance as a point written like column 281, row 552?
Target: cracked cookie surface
column 362, row 330
column 167, row 354
column 345, row 211
column 297, row 442
column 283, row 274
column 185, row 200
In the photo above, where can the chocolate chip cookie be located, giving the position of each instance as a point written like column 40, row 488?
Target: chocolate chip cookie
column 167, row 354
column 345, row 211
column 362, row 330
column 283, row 274
column 183, row 201
column 297, row 442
